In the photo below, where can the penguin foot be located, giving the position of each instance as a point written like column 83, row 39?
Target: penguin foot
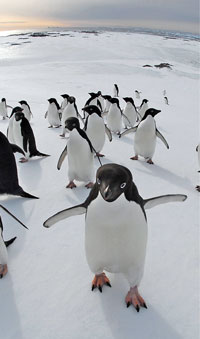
column 100, row 155
column 134, row 158
column 62, row 135
column 198, row 188
column 133, row 297
column 50, row 127
column 71, row 185
column 100, row 280
column 3, row 270
column 58, row 126
column 149, row 161
column 23, row 160
column 89, row 185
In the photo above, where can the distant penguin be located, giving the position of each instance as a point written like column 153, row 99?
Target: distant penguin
column 64, row 102
column 137, row 94
column 164, row 92
column 130, row 111
column 4, row 245
column 114, row 117
column 166, row 100
column 96, row 129
column 115, row 91
column 52, row 113
column 116, row 228
column 107, row 103
column 80, row 155
column 10, row 136
column 3, row 109
column 8, row 170
column 143, row 108
column 198, row 150
column 93, row 100
column 26, row 109
column 145, row 136
column 24, row 137
column 70, row 110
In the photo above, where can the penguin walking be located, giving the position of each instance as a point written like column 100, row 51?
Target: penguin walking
column 145, row 136
column 166, row 100
column 24, row 137
column 52, row 113
column 130, row 111
column 143, row 108
column 115, row 91
column 115, row 228
column 70, row 110
column 4, row 245
column 96, row 129
column 198, row 150
column 114, row 117
column 26, row 109
column 9, row 183
column 80, row 155
column 4, row 108
column 137, row 94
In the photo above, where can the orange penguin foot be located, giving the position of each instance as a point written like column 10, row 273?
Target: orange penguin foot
column 100, row 155
column 71, row 185
column 100, row 280
column 133, row 297
column 89, row 185
column 3, row 270
column 149, row 161
column 134, row 158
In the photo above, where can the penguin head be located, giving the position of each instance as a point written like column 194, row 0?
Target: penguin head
column 65, row 96
column 53, row 100
column 152, row 112
column 92, row 94
column 19, row 116
column 107, row 97
column 72, row 123
column 115, row 101
column 22, row 102
column 144, row 101
column 3, row 100
column 90, row 109
column 71, row 99
column 129, row 99
column 17, row 109
column 113, row 180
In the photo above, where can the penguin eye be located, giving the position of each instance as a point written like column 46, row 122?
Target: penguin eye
column 98, row 181
column 123, row 185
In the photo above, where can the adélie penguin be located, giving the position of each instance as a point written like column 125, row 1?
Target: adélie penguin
column 53, row 113
column 143, row 108
column 5, row 244
column 70, row 110
column 130, row 111
column 24, row 137
column 26, row 109
column 10, row 136
column 115, row 91
column 64, row 102
column 198, row 150
column 145, row 136
column 114, row 117
column 93, row 100
column 80, row 155
column 115, row 228
column 9, row 183
column 4, row 108
column 95, row 128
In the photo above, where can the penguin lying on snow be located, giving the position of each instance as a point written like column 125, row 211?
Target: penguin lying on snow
column 4, row 244
column 198, row 150
column 115, row 228
column 8, row 170
column 145, row 136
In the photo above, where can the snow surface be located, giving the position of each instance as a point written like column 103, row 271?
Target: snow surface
column 47, row 291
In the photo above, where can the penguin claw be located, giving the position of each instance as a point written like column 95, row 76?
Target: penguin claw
column 137, row 308
column 134, row 158
column 3, row 270
column 133, row 297
column 100, row 280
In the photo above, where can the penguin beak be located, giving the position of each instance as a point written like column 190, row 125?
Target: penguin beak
column 157, row 111
column 108, row 194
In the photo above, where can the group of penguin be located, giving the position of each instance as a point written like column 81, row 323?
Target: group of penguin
column 115, row 213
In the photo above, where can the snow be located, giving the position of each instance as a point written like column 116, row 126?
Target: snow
column 47, row 291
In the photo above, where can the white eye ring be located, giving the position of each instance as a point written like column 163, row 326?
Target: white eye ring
column 123, row 185
column 98, row 181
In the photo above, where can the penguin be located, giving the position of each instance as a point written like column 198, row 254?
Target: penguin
column 107, row 103
column 24, row 137
column 26, row 109
column 143, row 108
column 3, row 109
column 137, row 94
column 4, row 245
column 115, row 228
column 9, row 183
column 198, row 150
column 130, row 111
column 70, row 110
column 115, row 91
column 101, row 100
column 145, row 136
column 166, row 100
column 80, row 155
column 114, row 117
column 64, row 102
column 164, row 92
column 95, row 128
column 10, row 136
column 93, row 100
column 52, row 113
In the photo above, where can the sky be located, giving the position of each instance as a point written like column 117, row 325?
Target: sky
column 180, row 15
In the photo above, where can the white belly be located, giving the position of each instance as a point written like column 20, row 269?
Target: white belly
column 130, row 113
column 18, row 138
column 115, row 237
column 3, row 253
column 10, row 131
column 114, row 119
column 68, row 112
column 53, row 117
column 26, row 112
column 96, row 132
column 145, row 138
column 3, row 109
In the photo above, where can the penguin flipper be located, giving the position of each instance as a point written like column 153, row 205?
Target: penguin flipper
column 132, row 129
column 80, row 117
column 16, row 148
column 9, row 242
column 163, row 199
column 45, row 116
column 125, row 117
column 69, row 212
column 160, row 136
column 62, row 157
column 108, row 133
column 14, row 217
column 24, row 194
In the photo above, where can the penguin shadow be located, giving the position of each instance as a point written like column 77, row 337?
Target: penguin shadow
column 30, row 173
column 160, row 172
column 127, row 140
column 9, row 315
column 126, row 322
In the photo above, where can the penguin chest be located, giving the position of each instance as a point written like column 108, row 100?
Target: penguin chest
column 130, row 113
column 26, row 112
column 3, row 252
column 115, row 235
column 145, row 138
column 114, row 119
column 53, row 116
column 68, row 112
column 3, row 109
column 96, row 132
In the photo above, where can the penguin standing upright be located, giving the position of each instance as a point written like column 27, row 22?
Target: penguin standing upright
column 52, row 113
column 107, row 103
column 10, row 136
column 145, row 136
column 166, row 100
column 93, row 100
column 3, row 109
column 26, row 109
column 69, row 111
column 96, row 129
column 114, row 117
column 137, row 94
column 198, row 150
column 101, row 100
column 130, row 111
column 24, row 137
column 115, row 228
column 64, row 102
column 9, row 183
column 115, row 91
column 80, row 155
column 4, row 244
column 143, row 108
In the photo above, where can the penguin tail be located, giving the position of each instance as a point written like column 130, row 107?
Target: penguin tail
column 24, row 194
column 9, row 242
